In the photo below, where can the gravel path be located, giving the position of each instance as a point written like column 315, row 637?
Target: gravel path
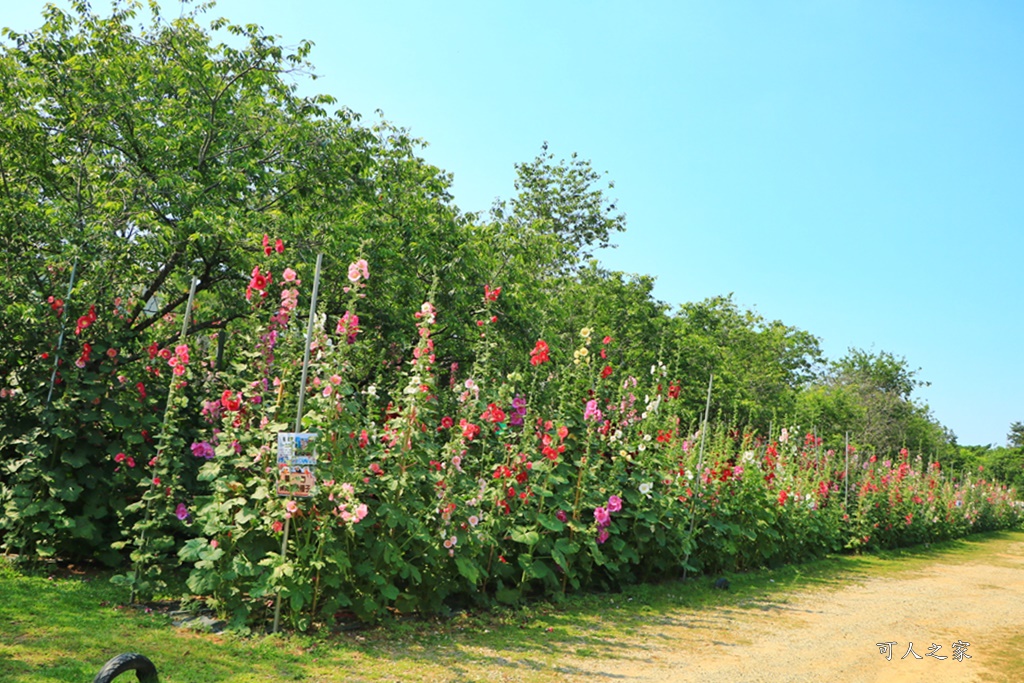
column 830, row 633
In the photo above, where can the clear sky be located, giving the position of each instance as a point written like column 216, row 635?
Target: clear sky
column 850, row 168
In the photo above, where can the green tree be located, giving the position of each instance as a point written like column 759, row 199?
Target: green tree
column 870, row 397
column 139, row 157
column 759, row 365
column 1015, row 437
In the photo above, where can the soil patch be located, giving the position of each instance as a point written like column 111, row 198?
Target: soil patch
column 832, row 633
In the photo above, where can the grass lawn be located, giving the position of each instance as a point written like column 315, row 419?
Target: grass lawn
column 59, row 624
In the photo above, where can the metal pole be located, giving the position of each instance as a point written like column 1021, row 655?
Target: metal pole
column 700, row 465
column 846, row 477
column 160, row 451
column 63, row 325
column 188, row 308
column 298, row 416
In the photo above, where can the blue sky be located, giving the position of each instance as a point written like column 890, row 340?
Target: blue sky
column 850, row 168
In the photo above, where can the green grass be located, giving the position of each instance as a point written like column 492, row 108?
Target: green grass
column 57, row 625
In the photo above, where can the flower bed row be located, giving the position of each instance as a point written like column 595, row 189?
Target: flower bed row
column 563, row 475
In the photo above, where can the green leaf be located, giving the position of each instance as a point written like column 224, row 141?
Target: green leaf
column 468, row 569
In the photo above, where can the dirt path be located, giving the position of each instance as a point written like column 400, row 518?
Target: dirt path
column 829, row 633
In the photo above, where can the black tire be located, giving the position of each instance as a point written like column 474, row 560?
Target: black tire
column 131, row 661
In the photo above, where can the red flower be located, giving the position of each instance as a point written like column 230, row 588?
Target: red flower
column 491, row 294
column 258, row 281
column 783, row 495
column 606, row 372
column 493, row 414
column 540, row 353
column 674, row 389
column 266, row 244
column 469, row 430
column 279, row 246
column 446, row 423
column 86, row 320
column 229, row 402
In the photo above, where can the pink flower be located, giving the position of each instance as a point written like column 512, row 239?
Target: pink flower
column 277, row 526
column 561, row 516
column 592, row 412
column 289, row 275
column 602, row 517
column 361, row 512
column 290, row 508
column 614, row 504
column 181, row 512
column 602, row 535
column 357, row 270
column 214, row 543
column 335, row 380
column 203, row 450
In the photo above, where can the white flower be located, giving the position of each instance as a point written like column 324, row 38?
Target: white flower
column 646, row 488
